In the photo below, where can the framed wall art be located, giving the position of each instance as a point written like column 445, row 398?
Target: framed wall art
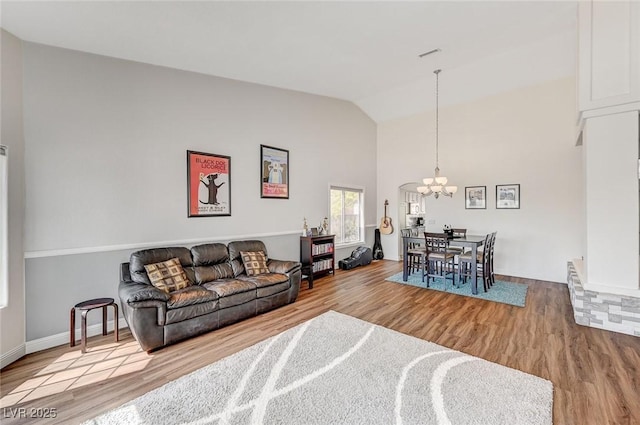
column 208, row 184
column 274, row 172
column 507, row 196
column 475, row 197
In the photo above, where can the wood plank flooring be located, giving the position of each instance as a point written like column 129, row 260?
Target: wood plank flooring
column 595, row 373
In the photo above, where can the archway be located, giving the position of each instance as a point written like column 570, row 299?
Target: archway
column 411, row 211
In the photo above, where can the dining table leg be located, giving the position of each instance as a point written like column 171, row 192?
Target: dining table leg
column 405, row 262
column 474, row 269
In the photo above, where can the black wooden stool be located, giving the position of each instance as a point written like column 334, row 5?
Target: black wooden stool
column 87, row 306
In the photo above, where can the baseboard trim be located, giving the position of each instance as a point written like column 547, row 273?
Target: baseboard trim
column 12, row 355
column 62, row 338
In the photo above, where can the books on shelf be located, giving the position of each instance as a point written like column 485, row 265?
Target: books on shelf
column 323, row 248
column 322, row 265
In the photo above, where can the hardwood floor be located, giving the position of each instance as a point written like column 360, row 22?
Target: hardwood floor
column 595, row 373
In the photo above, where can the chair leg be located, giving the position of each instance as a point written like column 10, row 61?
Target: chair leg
column 493, row 278
column 116, row 328
column 72, row 328
column 83, row 331
column 486, row 279
column 104, row 320
column 426, row 269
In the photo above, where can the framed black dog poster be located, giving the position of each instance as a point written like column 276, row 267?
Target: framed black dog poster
column 208, row 184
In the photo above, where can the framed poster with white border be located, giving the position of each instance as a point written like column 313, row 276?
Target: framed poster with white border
column 507, row 196
column 274, row 172
column 208, row 184
column 475, row 197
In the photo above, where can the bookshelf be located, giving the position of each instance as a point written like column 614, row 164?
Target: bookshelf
column 317, row 255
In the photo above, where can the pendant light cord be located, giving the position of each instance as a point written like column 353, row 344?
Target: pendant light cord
column 437, row 71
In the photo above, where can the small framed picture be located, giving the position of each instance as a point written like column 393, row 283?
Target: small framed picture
column 208, row 184
column 475, row 197
column 314, row 231
column 274, row 166
column 507, row 196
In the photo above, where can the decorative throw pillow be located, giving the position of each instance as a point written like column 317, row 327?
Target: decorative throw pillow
column 255, row 262
column 167, row 276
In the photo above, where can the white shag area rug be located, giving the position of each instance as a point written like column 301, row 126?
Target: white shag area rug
column 336, row 369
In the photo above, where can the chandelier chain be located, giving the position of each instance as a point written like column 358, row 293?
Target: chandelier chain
column 436, row 185
column 437, row 72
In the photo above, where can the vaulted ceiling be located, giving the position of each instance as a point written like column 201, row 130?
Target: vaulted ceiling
column 364, row 52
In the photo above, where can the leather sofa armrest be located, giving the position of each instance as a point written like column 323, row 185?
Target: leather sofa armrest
column 136, row 292
column 284, row 267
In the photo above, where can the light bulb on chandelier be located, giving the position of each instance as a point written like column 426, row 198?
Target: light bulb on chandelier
column 436, row 185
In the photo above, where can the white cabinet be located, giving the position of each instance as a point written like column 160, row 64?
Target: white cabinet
column 608, row 54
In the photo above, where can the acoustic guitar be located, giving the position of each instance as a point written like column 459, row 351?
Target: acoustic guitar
column 385, row 224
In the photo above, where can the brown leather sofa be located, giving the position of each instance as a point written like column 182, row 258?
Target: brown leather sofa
column 220, row 293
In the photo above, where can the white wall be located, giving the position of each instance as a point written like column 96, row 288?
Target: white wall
column 107, row 140
column 106, row 144
column 12, row 317
column 524, row 136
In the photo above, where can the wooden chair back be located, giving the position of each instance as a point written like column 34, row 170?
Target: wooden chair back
column 436, row 242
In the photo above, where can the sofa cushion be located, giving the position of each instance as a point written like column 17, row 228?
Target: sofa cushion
column 190, row 296
column 265, row 280
column 189, row 312
column 234, row 253
column 168, row 276
column 141, row 258
column 268, row 284
column 211, row 262
column 255, row 262
column 232, row 291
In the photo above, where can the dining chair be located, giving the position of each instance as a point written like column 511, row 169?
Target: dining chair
column 460, row 233
column 493, row 244
column 483, row 259
column 415, row 252
column 439, row 259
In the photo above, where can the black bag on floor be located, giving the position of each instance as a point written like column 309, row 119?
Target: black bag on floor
column 361, row 256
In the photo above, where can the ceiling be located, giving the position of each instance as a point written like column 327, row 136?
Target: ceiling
column 364, row 52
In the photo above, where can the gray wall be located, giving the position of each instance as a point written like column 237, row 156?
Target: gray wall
column 106, row 143
column 12, row 322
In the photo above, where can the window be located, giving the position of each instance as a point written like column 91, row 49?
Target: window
column 347, row 215
column 4, row 228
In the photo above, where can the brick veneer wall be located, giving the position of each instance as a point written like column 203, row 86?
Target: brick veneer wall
column 618, row 313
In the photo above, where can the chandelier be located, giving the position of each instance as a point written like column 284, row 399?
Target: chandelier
column 436, row 185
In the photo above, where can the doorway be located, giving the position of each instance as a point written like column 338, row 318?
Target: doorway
column 411, row 211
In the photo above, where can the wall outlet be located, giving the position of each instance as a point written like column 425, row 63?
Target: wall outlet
column 431, row 221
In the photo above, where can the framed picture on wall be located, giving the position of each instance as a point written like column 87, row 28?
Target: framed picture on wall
column 508, row 196
column 274, row 172
column 208, row 184
column 475, row 197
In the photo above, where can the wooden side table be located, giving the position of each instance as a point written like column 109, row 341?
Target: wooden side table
column 85, row 307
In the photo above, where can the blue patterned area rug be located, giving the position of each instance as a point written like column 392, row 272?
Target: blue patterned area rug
column 500, row 292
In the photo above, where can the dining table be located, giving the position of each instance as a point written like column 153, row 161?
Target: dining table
column 470, row 241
